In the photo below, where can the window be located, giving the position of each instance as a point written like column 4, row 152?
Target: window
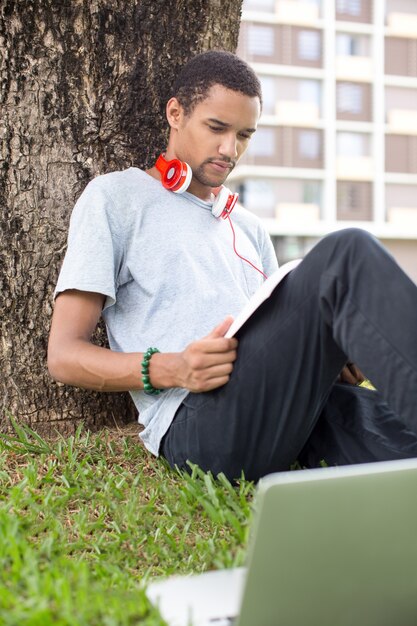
column 261, row 40
column 309, row 91
column 267, row 6
column 349, row 7
column 288, row 248
column 400, row 56
column 350, row 144
column 259, row 197
column 348, row 45
column 312, row 192
column 309, row 144
column 262, row 143
column 349, row 197
column 401, row 196
column 354, row 200
column 401, row 153
column 316, row 3
column 309, row 45
column 349, row 98
column 268, row 93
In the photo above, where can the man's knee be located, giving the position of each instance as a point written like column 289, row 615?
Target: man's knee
column 353, row 244
column 356, row 237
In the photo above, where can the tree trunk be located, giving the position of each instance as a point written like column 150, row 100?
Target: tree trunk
column 83, row 85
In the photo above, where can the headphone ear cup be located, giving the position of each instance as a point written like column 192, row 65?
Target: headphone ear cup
column 176, row 175
column 184, row 178
column 224, row 203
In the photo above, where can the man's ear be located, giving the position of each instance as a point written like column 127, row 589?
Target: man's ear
column 174, row 113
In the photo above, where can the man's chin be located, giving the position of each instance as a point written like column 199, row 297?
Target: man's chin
column 211, row 181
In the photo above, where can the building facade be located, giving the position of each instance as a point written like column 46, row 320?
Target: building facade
column 336, row 145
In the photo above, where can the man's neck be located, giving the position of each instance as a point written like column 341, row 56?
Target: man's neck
column 200, row 191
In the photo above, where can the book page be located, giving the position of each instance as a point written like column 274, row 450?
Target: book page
column 261, row 295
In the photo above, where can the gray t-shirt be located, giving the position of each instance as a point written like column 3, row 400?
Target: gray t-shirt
column 167, row 268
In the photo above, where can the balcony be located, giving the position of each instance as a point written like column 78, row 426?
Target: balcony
column 405, row 217
column 295, row 113
column 292, row 213
column 299, row 13
column 354, row 168
column 402, row 25
column 354, row 68
column 402, row 121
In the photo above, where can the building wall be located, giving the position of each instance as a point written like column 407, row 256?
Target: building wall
column 337, row 140
column 405, row 253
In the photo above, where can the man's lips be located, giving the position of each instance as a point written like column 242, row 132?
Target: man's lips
column 221, row 166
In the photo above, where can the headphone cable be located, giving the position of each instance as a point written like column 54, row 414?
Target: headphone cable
column 239, row 255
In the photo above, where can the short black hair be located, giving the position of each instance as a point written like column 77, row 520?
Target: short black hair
column 215, row 67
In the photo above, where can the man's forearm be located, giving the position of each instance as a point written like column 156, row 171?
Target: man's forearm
column 83, row 364
column 203, row 365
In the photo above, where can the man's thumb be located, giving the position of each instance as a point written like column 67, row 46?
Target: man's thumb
column 221, row 329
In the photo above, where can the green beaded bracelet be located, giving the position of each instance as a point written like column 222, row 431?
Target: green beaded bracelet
column 147, row 385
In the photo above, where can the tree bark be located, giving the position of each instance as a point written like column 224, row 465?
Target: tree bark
column 83, row 86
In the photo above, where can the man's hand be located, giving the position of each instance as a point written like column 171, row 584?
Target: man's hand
column 351, row 374
column 72, row 358
column 207, row 363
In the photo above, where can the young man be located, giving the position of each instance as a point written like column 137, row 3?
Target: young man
column 165, row 272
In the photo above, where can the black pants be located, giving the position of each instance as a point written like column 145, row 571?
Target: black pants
column 347, row 300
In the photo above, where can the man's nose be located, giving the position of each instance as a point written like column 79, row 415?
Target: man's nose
column 228, row 146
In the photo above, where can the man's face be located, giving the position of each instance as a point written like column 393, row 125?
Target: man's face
column 213, row 137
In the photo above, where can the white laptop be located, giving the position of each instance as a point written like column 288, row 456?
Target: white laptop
column 329, row 547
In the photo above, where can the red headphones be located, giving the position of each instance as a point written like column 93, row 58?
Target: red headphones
column 176, row 176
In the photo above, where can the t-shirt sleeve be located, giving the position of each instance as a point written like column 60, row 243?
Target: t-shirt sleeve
column 269, row 257
column 94, row 251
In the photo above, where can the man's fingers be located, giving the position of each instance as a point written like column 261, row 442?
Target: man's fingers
column 347, row 376
column 209, row 361
column 201, row 360
column 219, row 358
column 217, row 345
column 213, row 383
column 221, row 329
column 213, row 377
column 359, row 377
column 351, row 374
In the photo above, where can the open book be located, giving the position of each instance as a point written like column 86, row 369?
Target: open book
column 260, row 295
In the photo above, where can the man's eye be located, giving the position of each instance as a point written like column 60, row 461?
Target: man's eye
column 244, row 136
column 216, row 129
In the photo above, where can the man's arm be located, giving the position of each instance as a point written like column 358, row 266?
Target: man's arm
column 72, row 358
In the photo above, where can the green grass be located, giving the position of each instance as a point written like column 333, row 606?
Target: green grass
column 85, row 521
